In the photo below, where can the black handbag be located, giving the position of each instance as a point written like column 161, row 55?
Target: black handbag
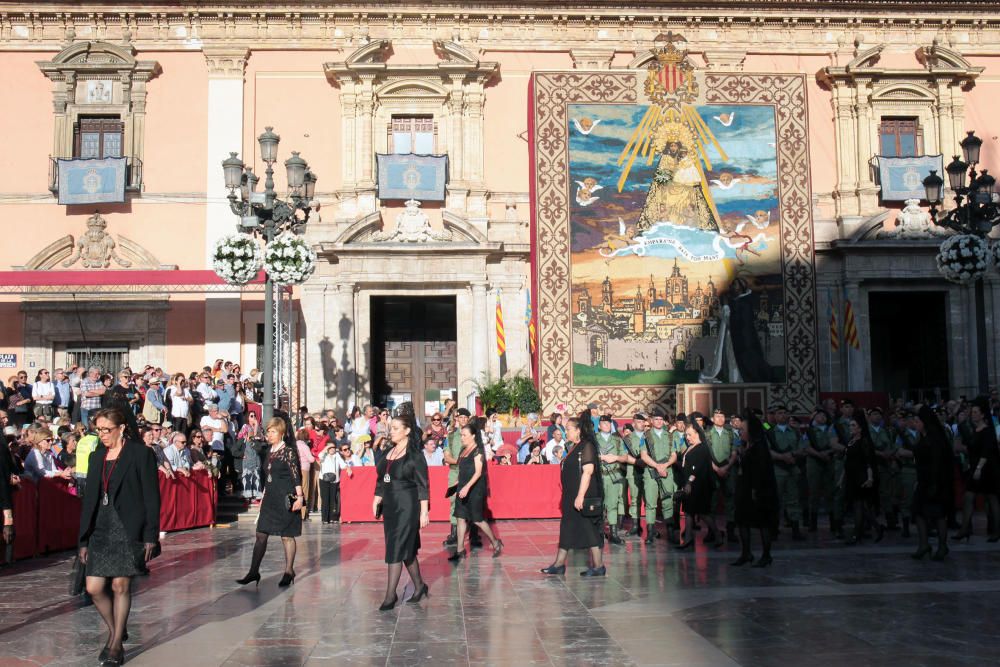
column 77, row 576
column 290, row 501
column 593, row 506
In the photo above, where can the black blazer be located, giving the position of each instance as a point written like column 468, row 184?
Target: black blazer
column 133, row 489
column 6, row 470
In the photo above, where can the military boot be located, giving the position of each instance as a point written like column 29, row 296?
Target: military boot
column 615, row 538
column 452, row 538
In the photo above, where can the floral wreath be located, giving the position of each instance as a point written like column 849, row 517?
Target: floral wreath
column 289, row 260
column 237, row 258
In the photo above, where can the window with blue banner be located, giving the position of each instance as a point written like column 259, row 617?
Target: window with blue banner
column 418, row 177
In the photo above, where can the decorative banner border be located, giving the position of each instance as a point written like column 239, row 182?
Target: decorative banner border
column 550, row 95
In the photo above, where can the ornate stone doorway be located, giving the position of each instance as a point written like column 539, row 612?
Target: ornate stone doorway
column 414, row 350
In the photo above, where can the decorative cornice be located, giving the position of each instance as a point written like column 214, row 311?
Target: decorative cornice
column 226, row 62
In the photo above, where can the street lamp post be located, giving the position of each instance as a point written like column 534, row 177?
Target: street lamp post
column 263, row 214
column 976, row 214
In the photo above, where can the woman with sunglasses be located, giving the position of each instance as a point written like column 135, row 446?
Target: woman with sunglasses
column 119, row 526
column 40, row 462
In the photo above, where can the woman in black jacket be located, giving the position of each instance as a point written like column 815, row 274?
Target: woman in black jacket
column 402, row 495
column 756, row 496
column 861, row 478
column 119, row 525
column 934, row 496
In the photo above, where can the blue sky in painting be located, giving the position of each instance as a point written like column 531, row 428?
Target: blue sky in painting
column 749, row 142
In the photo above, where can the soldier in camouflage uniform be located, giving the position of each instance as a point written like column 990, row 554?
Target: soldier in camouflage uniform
column 785, row 444
column 634, row 445
column 612, row 452
column 821, row 471
column 658, row 480
column 905, row 443
column 884, row 441
column 722, row 443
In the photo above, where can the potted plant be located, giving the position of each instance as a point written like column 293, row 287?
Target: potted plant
column 494, row 395
column 523, row 394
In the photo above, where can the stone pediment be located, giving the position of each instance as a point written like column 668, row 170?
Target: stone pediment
column 412, row 228
column 94, row 249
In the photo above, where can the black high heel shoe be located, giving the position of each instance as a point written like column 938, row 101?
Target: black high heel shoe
column 498, row 549
column 386, row 606
column 963, row 535
column 250, row 578
column 554, row 569
column 993, row 538
column 681, row 546
column 920, row 553
column 742, row 560
column 114, row 658
column 286, row 580
column 941, row 553
column 421, row 594
column 764, row 561
column 457, row 556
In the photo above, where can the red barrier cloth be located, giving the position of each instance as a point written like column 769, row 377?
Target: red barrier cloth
column 25, row 519
column 516, row 492
column 187, row 502
column 58, row 515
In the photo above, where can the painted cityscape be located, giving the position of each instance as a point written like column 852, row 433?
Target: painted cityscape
column 675, row 245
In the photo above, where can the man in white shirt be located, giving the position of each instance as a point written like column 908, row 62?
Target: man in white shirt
column 556, row 440
column 214, row 421
column 43, row 392
column 204, row 388
column 433, row 453
column 178, row 454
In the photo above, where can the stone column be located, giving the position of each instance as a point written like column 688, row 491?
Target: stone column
column 482, row 314
column 225, row 134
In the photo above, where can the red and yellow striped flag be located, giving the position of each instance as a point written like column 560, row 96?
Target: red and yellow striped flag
column 850, row 327
column 834, row 331
column 529, row 319
column 501, row 341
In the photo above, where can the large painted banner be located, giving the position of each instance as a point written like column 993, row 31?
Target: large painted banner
column 672, row 233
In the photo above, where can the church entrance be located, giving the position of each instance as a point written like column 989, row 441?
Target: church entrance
column 909, row 340
column 414, row 352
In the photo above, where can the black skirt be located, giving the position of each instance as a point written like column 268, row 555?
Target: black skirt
column 473, row 506
column 110, row 552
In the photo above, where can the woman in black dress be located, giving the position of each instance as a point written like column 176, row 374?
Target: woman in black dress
column 402, row 495
column 934, row 496
column 756, row 496
column 699, row 483
column 861, row 478
column 283, row 482
column 983, row 475
column 581, row 486
column 472, row 491
column 119, row 525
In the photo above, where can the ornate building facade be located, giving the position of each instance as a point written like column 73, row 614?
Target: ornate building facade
column 173, row 87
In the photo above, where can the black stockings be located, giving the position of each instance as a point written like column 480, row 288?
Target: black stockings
column 260, row 548
column 113, row 608
column 395, row 570
column 765, row 540
column 289, row 544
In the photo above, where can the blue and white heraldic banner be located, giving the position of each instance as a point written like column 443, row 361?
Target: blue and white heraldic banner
column 409, row 176
column 902, row 178
column 92, row 181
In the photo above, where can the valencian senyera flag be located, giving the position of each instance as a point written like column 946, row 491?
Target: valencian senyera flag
column 850, row 327
column 834, row 331
column 501, row 341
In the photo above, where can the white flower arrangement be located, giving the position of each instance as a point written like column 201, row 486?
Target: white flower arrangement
column 237, row 258
column 289, row 260
column 963, row 258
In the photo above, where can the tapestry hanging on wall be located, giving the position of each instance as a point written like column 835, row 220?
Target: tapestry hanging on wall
column 672, row 233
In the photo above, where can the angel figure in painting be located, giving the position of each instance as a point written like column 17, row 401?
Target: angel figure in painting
column 678, row 194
